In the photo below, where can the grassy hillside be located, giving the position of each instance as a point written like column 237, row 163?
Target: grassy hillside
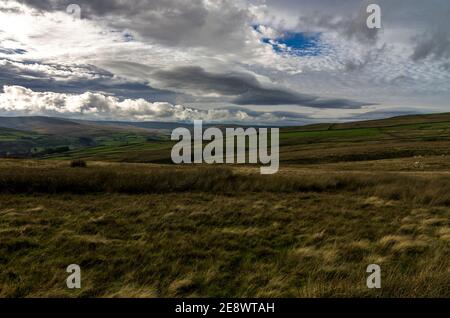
column 336, row 144
column 383, row 139
column 40, row 137
column 18, row 143
column 399, row 137
column 54, row 126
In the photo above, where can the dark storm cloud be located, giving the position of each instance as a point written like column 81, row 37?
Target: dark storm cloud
column 244, row 88
column 76, row 80
column 341, row 103
column 196, row 78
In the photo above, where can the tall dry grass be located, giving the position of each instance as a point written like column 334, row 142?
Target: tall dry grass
column 422, row 189
column 142, row 230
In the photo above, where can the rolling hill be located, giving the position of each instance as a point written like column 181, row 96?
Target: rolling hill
column 54, row 126
column 398, row 137
column 43, row 136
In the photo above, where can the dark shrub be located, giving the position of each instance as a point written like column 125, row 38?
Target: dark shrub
column 78, row 164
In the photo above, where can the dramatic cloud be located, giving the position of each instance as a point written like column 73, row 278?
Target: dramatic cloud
column 217, row 24
column 244, row 87
column 76, row 79
column 19, row 100
column 278, row 58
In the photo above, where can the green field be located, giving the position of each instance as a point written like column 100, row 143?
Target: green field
column 400, row 137
column 326, row 144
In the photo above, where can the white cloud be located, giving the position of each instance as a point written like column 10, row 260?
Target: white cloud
column 58, row 72
column 19, row 100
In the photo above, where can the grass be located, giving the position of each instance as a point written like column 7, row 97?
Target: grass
column 144, row 151
column 347, row 195
column 141, row 230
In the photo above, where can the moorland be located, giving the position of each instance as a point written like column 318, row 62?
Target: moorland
column 347, row 195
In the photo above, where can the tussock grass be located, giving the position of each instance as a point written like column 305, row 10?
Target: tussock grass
column 380, row 188
column 155, row 231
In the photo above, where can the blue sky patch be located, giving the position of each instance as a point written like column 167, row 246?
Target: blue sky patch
column 296, row 43
column 301, row 44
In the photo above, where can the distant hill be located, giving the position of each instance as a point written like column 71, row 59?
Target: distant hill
column 76, row 127
column 38, row 124
column 387, row 122
column 167, row 127
column 152, row 125
column 68, row 127
column 397, row 137
column 38, row 136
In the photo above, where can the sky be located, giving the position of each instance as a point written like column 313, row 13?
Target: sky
column 283, row 62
